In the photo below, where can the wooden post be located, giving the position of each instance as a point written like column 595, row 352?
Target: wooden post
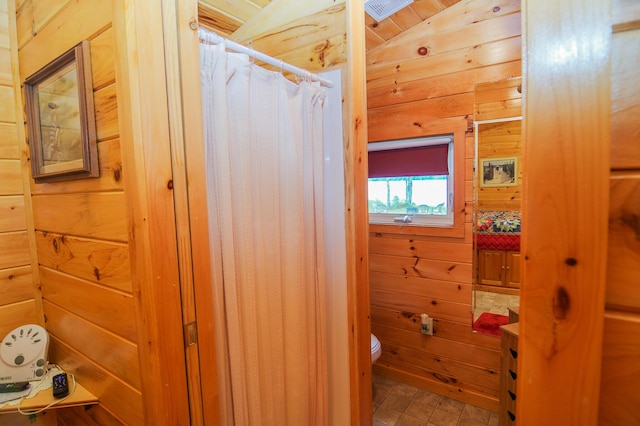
column 146, row 156
column 208, row 406
column 567, row 131
column 357, row 220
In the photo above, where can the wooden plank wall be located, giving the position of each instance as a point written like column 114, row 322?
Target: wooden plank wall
column 82, row 234
column 501, row 140
column 493, row 101
column 419, row 83
column 620, row 382
column 81, row 228
column 17, row 293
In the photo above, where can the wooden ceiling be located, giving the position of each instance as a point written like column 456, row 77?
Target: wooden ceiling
column 226, row 16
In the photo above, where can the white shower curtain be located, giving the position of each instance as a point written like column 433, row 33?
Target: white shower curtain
column 263, row 138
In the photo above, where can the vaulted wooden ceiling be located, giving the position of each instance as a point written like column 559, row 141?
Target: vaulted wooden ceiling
column 226, row 16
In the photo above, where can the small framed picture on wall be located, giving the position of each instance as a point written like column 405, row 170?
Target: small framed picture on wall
column 61, row 118
column 496, row 172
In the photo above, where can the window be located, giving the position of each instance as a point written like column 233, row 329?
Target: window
column 411, row 181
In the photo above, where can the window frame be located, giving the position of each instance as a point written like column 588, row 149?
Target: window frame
column 420, row 219
column 460, row 172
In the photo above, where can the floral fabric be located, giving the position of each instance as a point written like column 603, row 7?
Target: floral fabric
column 498, row 230
column 498, row 222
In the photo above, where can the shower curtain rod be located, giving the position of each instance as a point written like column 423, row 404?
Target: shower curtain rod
column 211, row 37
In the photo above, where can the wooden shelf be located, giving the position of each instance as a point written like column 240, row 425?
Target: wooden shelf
column 80, row 396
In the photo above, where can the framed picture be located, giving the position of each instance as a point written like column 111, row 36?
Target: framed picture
column 495, row 172
column 61, row 118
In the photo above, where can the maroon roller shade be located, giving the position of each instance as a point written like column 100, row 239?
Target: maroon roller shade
column 421, row 161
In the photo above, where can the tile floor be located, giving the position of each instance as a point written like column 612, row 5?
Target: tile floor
column 399, row 404
column 493, row 302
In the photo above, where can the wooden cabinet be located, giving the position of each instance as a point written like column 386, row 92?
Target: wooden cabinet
column 499, row 268
column 508, row 374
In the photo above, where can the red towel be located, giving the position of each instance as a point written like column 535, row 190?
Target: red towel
column 489, row 323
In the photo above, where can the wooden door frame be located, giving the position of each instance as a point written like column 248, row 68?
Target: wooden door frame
column 357, row 217
column 566, row 76
column 182, row 58
column 145, row 137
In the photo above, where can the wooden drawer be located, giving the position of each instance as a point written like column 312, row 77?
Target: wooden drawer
column 508, row 374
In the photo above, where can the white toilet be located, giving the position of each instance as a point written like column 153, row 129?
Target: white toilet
column 376, row 348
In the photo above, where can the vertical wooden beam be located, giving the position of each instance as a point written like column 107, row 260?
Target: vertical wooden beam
column 190, row 107
column 357, row 219
column 566, row 120
column 181, row 53
column 147, row 167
